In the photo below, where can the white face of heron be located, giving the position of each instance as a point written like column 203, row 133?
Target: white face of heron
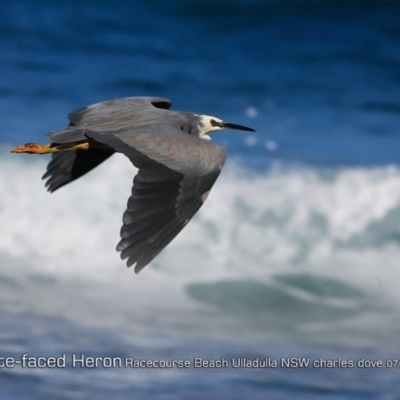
column 209, row 124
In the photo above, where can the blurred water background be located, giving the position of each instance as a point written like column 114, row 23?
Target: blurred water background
column 296, row 252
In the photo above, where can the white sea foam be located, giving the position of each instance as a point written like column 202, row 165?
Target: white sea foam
column 341, row 224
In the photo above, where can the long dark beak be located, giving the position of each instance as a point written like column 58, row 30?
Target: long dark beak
column 228, row 125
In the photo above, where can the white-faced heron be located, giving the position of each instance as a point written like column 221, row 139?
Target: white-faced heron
column 178, row 164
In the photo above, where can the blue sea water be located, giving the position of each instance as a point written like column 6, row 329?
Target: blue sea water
column 296, row 253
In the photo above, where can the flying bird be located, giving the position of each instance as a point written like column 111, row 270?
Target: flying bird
column 176, row 160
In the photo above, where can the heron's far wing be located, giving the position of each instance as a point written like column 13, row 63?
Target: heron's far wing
column 111, row 112
column 111, row 115
column 67, row 166
column 175, row 176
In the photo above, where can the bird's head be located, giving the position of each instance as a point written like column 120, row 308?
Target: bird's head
column 209, row 124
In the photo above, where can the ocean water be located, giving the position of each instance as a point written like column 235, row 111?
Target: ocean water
column 292, row 263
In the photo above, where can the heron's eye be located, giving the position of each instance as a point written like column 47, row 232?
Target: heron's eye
column 213, row 122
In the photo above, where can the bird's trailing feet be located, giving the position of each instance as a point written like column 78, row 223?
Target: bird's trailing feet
column 36, row 148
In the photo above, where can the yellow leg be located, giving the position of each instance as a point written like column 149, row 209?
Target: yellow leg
column 36, row 148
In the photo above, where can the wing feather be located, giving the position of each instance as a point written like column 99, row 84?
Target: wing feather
column 176, row 172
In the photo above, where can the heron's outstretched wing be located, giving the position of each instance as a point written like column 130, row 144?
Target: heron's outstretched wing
column 176, row 173
column 67, row 166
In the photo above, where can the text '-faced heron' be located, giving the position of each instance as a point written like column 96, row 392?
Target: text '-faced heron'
column 177, row 162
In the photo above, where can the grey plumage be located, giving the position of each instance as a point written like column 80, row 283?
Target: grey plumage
column 177, row 165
